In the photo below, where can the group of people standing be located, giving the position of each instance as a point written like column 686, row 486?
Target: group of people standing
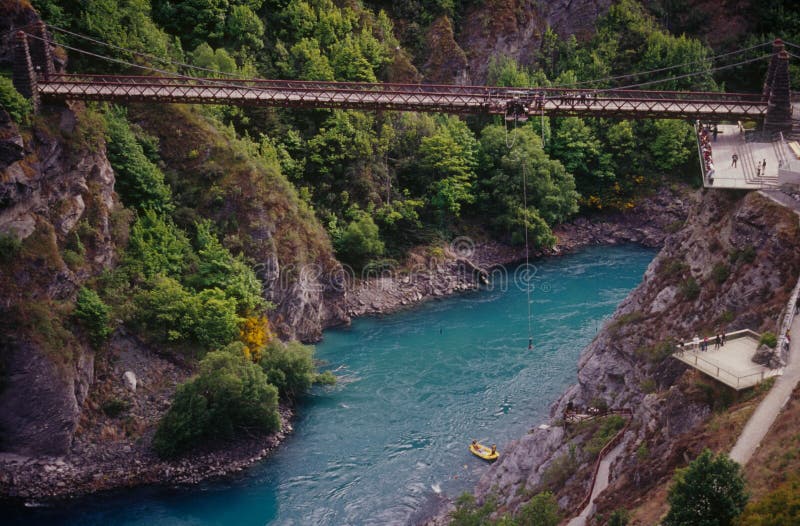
column 705, row 150
column 702, row 345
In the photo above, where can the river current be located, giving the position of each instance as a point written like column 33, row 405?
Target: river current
column 414, row 388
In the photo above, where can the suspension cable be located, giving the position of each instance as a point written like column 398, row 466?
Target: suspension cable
column 686, row 75
column 172, row 74
column 658, row 70
column 145, row 55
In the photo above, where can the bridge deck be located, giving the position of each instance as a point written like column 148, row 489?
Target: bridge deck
column 406, row 97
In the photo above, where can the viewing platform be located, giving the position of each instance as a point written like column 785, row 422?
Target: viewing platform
column 731, row 363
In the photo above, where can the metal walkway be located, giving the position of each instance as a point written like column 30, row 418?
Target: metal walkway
column 635, row 104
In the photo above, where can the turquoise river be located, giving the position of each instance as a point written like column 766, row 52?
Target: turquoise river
column 414, row 388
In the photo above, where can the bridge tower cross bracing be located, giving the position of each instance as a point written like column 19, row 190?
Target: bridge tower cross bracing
column 777, row 47
column 779, row 109
column 24, row 76
column 41, row 54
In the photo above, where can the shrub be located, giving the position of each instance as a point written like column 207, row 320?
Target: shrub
column 113, row 407
column 672, row 267
column 289, row 367
column 94, row 315
column 72, row 259
column 171, row 313
column 230, row 395
column 541, row 510
column 619, row 517
column 10, row 246
column 779, row 507
column 746, row 254
column 604, row 434
column 657, row 352
column 360, row 242
column 769, row 339
column 674, row 226
column 218, row 268
column 140, row 183
column 157, row 246
column 13, row 102
column 468, row 513
column 648, row 385
column 690, row 289
column 708, row 491
column 642, row 452
column 560, row 469
column 720, row 273
column 627, row 319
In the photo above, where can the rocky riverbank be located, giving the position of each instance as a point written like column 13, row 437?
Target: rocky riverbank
column 111, row 446
column 466, row 264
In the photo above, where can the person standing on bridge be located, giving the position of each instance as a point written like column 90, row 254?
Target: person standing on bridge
column 734, row 159
column 764, row 166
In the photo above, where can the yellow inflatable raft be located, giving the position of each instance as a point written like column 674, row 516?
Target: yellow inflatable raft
column 479, row 450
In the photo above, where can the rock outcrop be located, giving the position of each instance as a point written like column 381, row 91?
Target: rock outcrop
column 515, row 28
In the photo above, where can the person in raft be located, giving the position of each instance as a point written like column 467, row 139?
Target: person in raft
column 474, row 444
column 494, row 449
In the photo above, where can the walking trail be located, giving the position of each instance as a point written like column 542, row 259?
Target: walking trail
column 600, row 484
column 767, row 411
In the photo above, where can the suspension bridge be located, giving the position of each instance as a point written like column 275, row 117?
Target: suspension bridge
column 772, row 109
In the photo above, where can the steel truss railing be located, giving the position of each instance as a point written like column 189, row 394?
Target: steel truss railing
column 408, row 97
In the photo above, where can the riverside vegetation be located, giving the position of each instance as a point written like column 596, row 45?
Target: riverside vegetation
column 174, row 260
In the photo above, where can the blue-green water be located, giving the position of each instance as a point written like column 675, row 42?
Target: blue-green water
column 414, row 388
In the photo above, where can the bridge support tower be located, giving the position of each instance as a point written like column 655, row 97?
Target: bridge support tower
column 777, row 91
column 32, row 60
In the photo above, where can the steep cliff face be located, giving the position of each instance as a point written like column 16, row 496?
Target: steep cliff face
column 514, row 28
column 732, row 265
column 56, row 191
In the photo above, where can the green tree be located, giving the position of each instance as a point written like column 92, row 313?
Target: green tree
column 94, row 315
column 360, row 241
column 123, row 23
column 15, row 104
column 576, row 145
column 672, row 145
column 469, row 513
column 289, row 367
column 541, row 510
column 243, row 29
column 217, row 268
column 550, row 189
column 216, row 323
column 157, row 246
column 220, row 60
column 139, row 182
column 166, row 310
column 194, row 21
column 708, row 492
column 447, row 159
column 230, row 395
